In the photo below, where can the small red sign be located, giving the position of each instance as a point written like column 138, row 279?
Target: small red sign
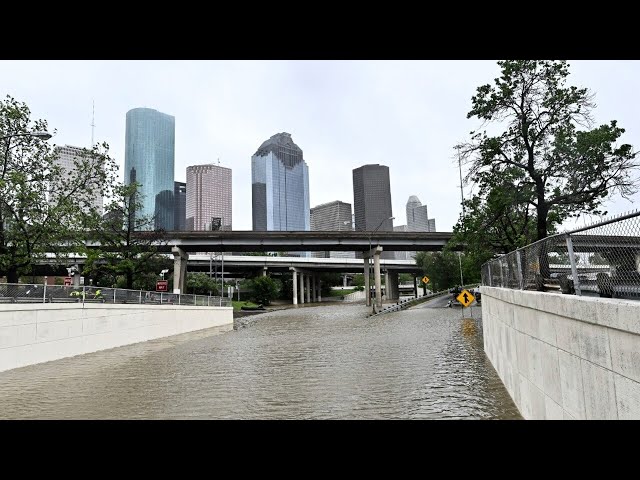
column 67, row 281
column 162, row 285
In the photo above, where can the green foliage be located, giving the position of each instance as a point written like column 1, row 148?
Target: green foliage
column 404, row 278
column 43, row 208
column 201, row 284
column 443, row 268
column 264, row 289
column 542, row 168
column 358, row 280
column 128, row 252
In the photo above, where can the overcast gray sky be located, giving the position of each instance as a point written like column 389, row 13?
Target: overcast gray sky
column 407, row 115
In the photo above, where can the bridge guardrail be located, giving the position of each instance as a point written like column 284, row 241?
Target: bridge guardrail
column 39, row 293
column 601, row 259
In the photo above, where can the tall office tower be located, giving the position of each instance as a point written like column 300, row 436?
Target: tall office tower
column 149, row 160
column 332, row 216
column 208, row 197
column 65, row 157
column 372, row 200
column 179, row 205
column 417, row 217
column 280, row 186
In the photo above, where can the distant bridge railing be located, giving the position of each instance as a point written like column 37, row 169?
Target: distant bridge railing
column 602, row 259
column 39, row 293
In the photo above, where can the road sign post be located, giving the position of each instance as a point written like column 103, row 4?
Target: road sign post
column 465, row 298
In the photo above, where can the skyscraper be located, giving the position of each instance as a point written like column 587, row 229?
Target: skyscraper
column 280, row 186
column 179, row 205
column 208, row 197
column 149, row 160
column 372, row 199
column 417, row 216
column 332, row 216
column 65, row 157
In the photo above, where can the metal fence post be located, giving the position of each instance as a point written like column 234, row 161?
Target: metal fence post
column 501, row 275
column 44, row 293
column 574, row 269
column 490, row 277
column 84, row 292
column 114, row 296
column 140, row 297
column 179, row 297
column 160, row 298
column 520, row 276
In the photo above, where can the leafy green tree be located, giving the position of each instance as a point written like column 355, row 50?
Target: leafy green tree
column 201, row 284
column 127, row 247
column 43, row 209
column 440, row 267
column 358, row 280
column 264, row 289
column 558, row 165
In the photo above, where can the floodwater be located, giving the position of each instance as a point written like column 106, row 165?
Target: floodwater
column 326, row 362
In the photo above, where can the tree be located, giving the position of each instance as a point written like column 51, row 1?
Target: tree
column 201, row 284
column 126, row 245
column 560, row 168
column 442, row 268
column 264, row 289
column 43, row 208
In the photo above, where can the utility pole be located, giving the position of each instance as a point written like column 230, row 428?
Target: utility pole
column 463, row 212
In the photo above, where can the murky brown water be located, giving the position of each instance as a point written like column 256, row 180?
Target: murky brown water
column 311, row 363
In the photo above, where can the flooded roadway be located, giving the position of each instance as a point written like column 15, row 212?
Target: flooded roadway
column 327, row 362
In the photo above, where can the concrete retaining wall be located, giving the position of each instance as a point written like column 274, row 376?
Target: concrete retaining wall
column 564, row 356
column 35, row 333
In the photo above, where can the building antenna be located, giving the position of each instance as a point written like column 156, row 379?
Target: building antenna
column 218, row 161
column 93, row 123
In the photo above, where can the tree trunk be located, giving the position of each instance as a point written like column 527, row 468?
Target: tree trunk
column 130, row 280
column 543, row 258
column 12, row 275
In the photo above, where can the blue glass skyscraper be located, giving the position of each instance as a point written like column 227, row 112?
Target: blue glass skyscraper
column 280, row 186
column 149, row 160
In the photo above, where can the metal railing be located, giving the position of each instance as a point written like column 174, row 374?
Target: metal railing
column 601, row 259
column 39, row 293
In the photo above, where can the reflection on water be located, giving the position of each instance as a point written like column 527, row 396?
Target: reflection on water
column 325, row 362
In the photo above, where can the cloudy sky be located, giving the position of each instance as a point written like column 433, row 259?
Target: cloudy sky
column 407, row 115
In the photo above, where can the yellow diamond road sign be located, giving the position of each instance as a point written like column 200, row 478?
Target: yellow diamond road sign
column 465, row 298
column 425, row 279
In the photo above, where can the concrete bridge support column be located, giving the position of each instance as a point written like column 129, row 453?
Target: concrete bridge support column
column 301, row 288
column 415, row 287
column 367, row 287
column 344, row 281
column 319, row 289
column 376, row 273
column 264, row 271
column 295, row 287
column 388, row 294
column 392, row 289
column 314, row 288
column 308, row 285
column 180, row 258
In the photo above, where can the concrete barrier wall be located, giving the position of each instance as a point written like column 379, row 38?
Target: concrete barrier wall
column 564, row 356
column 35, row 333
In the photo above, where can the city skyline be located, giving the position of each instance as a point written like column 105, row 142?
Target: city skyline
column 408, row 115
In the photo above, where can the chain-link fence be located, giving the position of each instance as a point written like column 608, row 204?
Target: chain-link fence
column 38, row 293
column 602, row 259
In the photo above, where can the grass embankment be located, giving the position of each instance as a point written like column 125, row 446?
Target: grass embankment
column 238, row 305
